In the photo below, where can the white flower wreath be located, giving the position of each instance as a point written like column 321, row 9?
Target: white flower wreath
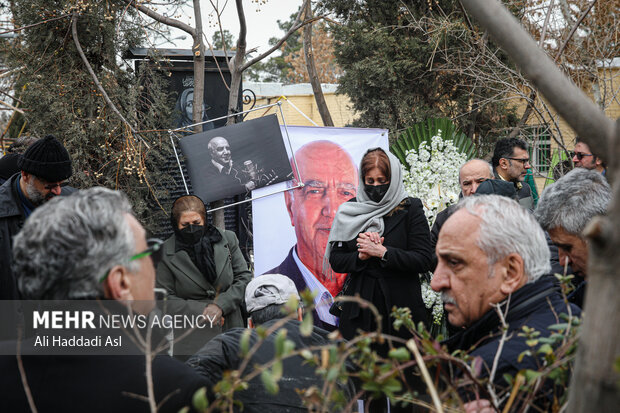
column 434, row 178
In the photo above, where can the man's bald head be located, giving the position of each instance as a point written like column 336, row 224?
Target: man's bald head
column 472, row 174
column 219, row 150
column 330, row 178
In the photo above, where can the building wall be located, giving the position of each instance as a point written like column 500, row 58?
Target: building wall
column 300, row 96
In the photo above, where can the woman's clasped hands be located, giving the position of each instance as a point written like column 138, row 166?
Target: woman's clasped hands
column 370, row 244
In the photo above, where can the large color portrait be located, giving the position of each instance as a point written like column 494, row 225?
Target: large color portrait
column 291, row 228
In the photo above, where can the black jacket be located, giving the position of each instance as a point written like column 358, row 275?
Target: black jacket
column 393, row 282
column 12, row 219
column 289, row 268
column 96, row 383
column 223, row 353
column 529, row 306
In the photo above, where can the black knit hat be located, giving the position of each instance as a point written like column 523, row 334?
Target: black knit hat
column 47, row 159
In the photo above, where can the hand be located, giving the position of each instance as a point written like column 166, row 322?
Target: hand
column 368, row 247
column 250, row 186
column 479, row 406
column 213, row 313
column 374, row 237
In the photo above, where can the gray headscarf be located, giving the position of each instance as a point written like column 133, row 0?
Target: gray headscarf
column 366, row 215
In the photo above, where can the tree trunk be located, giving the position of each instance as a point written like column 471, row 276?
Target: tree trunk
column 312, row 74
column 594, row 380
column 199, row 68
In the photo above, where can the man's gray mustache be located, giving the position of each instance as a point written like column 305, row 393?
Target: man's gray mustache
column 447, row 298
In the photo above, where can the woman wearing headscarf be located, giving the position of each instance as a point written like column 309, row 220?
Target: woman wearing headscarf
column 202, row 270
column 382, row 239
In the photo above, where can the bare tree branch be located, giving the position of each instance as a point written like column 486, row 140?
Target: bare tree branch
column 163, row 19
column 297, row 24
column 96, row 80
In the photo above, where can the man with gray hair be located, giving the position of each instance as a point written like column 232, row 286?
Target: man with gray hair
column 266, row 297
column 564, row 209
column 492, row 255
column 90, row 246
column 220, row 171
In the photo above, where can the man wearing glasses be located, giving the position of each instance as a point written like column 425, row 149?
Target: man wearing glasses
column 510, row 163
column 45, row 166
column 583, row 158
column 84, row 247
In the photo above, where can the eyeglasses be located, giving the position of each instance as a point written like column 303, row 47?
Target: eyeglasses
column 153, row 250
column 522, row 160
column 580, row 155
column 51, row 186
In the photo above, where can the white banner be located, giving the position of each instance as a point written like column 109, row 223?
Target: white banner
column 328, row 159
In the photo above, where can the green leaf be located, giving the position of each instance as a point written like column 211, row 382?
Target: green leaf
column 307, row 354
column 199, row 400
column 279, row 342
column 531, row 375
column 306, row 327
column 270, row 383
column 545, row 349
column 276, row 370
column 400, row 354
column 244, row 343
column 532, row 342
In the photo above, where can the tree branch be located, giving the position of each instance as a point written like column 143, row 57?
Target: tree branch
column 163, row 19
column 97, row 83
column 297, row 24
column 569, row 101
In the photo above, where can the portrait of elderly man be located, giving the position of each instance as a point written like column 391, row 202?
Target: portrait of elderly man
column 564, row 210
column 330, row 178
column 224, row 178
column 492, row 255
column 84, row 247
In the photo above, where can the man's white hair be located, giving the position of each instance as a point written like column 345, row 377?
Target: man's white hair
column 508, row 228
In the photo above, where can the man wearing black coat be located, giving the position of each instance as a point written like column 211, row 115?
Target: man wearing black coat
column 492, row 254
column 44, row 167
column 84, row 247
column 511, row 162
column 265, row 298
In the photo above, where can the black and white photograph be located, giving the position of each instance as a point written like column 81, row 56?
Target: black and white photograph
column 236, row 159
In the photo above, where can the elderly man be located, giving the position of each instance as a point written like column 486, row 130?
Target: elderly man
column 90, row 246
column 492, row 256
column 330, row 178
column 511, row 162
column 564, row 209
column 471, row 174
column 584, row 158
column 44, row 168
column 224, row 179
column 265, row 298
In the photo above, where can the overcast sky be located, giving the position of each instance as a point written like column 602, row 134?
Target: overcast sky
column 261, row 21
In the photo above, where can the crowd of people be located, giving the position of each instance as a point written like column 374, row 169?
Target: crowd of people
column 493, row 256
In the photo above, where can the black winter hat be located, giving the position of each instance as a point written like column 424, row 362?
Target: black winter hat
column 47, row 159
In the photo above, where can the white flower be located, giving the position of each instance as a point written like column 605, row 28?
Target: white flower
column 433, row 177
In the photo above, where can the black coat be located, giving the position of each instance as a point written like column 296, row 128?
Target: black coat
column 11, row 222
column 223, row 353
column 534, row 305
column 96, row 383
column 393, row 282
column 12, row 219
column 289, row 268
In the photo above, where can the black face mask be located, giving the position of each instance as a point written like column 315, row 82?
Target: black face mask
column 376, row 192
column 191, row 234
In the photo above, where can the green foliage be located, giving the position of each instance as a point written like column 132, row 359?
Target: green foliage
column 60, row 97
column 424, row 131
column 229, row 40
column 393, row 74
